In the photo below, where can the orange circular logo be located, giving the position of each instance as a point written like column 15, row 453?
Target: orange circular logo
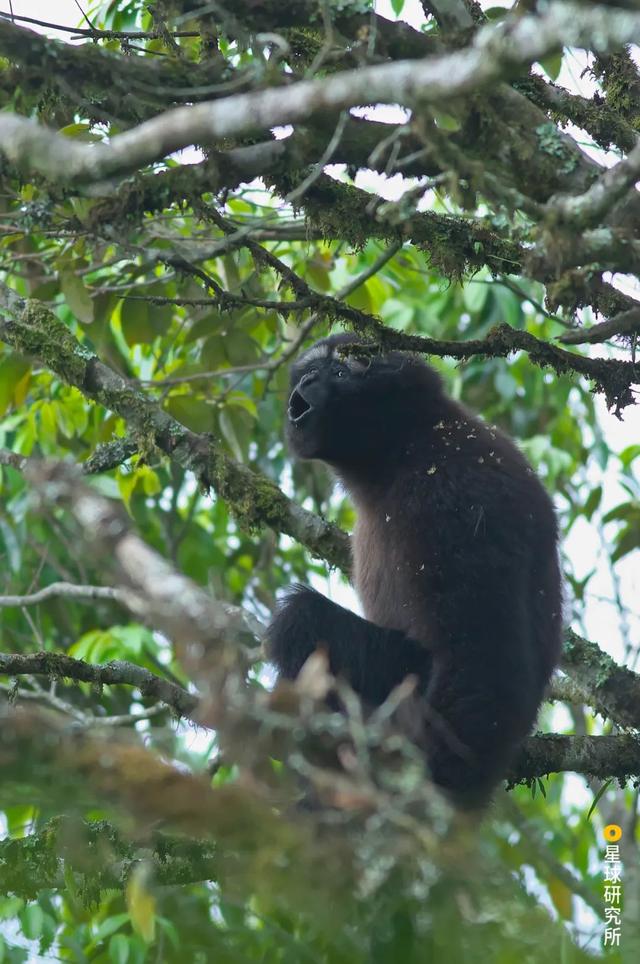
column 612, row 832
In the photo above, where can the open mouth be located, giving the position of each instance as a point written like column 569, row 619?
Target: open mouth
column 299, row 407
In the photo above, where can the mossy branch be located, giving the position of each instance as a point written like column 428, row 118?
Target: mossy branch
column 100, row 858
column 612, row 690
column 438, row 80
column 118, row 672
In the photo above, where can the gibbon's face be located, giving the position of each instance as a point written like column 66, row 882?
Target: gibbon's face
column 337, row 400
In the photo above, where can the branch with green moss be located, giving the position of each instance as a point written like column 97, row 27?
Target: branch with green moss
column 435, row 81
column 118, row 672
column 106, row 456
column 613, row 690
column 73, row 769
column 605, row 124
column 399, row 40
column 619, row 76
column 626, row 324
column 610, row 376
column 98, row 857
column 589, row 208
column 456, row 246
column 207, row 634
column 106, row 83
column 597, row 756
column 609, row 248
column 594, row 679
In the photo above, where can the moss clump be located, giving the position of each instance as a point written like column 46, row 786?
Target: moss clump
column 254, row 500
column 620, row 81
column 37, row 331
column 551, row 142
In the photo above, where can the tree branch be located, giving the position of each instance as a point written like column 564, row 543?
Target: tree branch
column 73, row 769
column 605, row 125
column 206, row 634
column 626, row 323
column 67, row 589
column 613, row 690
column 109, row 456
column 587, row 209
column 100, row 858
column 435, row 80
column 596, row 756
column 118, row 672
column 128, row 88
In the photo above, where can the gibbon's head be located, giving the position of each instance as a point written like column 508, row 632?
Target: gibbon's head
column 347, row 405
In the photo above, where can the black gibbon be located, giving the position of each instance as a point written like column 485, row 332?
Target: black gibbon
column 454, row 560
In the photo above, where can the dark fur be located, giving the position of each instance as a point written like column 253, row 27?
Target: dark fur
column 455, row 562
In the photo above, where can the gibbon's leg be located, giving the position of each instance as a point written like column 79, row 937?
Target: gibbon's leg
column 372, row 659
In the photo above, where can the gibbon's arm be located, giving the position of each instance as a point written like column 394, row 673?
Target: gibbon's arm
column 373, row 660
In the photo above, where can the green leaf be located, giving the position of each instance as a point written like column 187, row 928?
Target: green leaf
column 213, row 355
column 624, row 511
column 195, row 413
column 240, row 347
column 119, row 948
column 82, row 131
column 226, row 426
column 474, row 295
column 561, row 897
column 135, row 322
column 628, row 455
column 318, row 273
column 32, row 921
column 240, row 400
column 142, row 904
column 506, row 385
column 596, row 800
column 72, row 413
column 109, row 926
column 627, row 541
column 552, row 65
column 496, row 13
column 236, row 427
column 171, row 931
column 593, row 501
column 207, row 324
column 508, row 305
column 48, row 423
column 361, row 299
column 127, row 483
column 13, row 369
column 446, row 121
column 19, row 818
column 397, row 313
column 77, row 296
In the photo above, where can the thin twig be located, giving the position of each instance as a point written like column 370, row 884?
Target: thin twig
column 67, row 589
